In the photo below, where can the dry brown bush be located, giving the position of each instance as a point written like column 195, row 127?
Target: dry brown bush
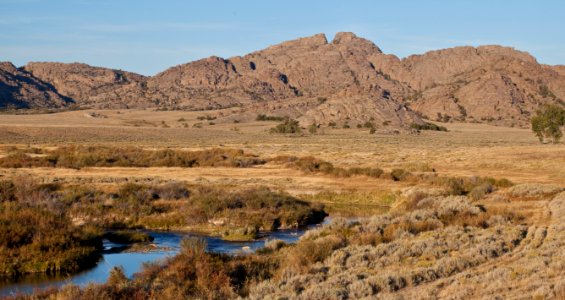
column 82, row 156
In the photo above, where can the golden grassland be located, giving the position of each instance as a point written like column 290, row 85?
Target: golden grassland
column 423, row 239
column 467, row 149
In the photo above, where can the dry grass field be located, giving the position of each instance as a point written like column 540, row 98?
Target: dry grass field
column 425, row 241
column 467, row 149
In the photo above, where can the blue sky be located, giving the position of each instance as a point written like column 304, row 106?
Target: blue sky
column 150, row 36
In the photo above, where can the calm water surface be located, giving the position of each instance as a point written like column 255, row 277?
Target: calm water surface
column 132, row 261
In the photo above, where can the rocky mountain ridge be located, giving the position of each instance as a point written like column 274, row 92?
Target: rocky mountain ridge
column 346, row 80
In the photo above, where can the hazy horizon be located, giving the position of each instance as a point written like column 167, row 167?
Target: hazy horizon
column 146, row 38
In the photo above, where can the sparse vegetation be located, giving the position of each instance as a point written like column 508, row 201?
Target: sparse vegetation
column 206, row 118
column 313, row 128
column 423, row 213
column 35, row 237
column 127, row 237
column 79, row 157
column 545, row 92
column 311, row 164
column 262, row 117
column 428, row 126
column 236, row 215
column 289, row 126
column 440, row 237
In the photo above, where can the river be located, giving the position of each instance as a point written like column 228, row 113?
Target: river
column 167, row 242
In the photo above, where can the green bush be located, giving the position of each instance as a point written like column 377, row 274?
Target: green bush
column 262, row 117
column 289, row 126
column 428, row 126
column 128, row 237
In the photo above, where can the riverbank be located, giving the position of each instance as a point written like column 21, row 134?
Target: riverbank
column 165, row 244
column 58, row 229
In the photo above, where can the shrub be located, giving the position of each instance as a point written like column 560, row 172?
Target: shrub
column 481, row 190
column 7, row 191
column 128, row 237
column 117, row 276
column 206, row 117
column 545, row 92
column 370, row 172
column 35, row 240
column 289, row 126
column 256, row 207
column 310, row 164
column 479, row 186
column 81, row 156
column 428, row 126
column 313, row 128
column 308, row 252
column 262, row 117
column 399, row 174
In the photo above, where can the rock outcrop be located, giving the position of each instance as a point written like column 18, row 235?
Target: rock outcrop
column 489, row 83
column 92, row 86
column 19, row 89
column 353, row 80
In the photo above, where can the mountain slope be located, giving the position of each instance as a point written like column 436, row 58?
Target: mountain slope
column 92, row 86
column 489, row 83
column 306, row 68
column 19, row 89
column 351, row 78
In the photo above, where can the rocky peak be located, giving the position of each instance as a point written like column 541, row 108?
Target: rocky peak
column 350, row 39
column 344, row 37
column 7, row 67
column 508, row 52
column 313, row 41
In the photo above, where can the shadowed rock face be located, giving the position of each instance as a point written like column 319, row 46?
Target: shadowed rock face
column 19, row 89
column 357, row 80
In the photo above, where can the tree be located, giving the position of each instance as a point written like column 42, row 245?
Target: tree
column 547, row 122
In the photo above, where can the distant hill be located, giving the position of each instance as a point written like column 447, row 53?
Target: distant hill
column 19, row 89
column 348, row 80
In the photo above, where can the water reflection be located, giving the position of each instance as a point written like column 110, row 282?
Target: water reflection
column 167, row 244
